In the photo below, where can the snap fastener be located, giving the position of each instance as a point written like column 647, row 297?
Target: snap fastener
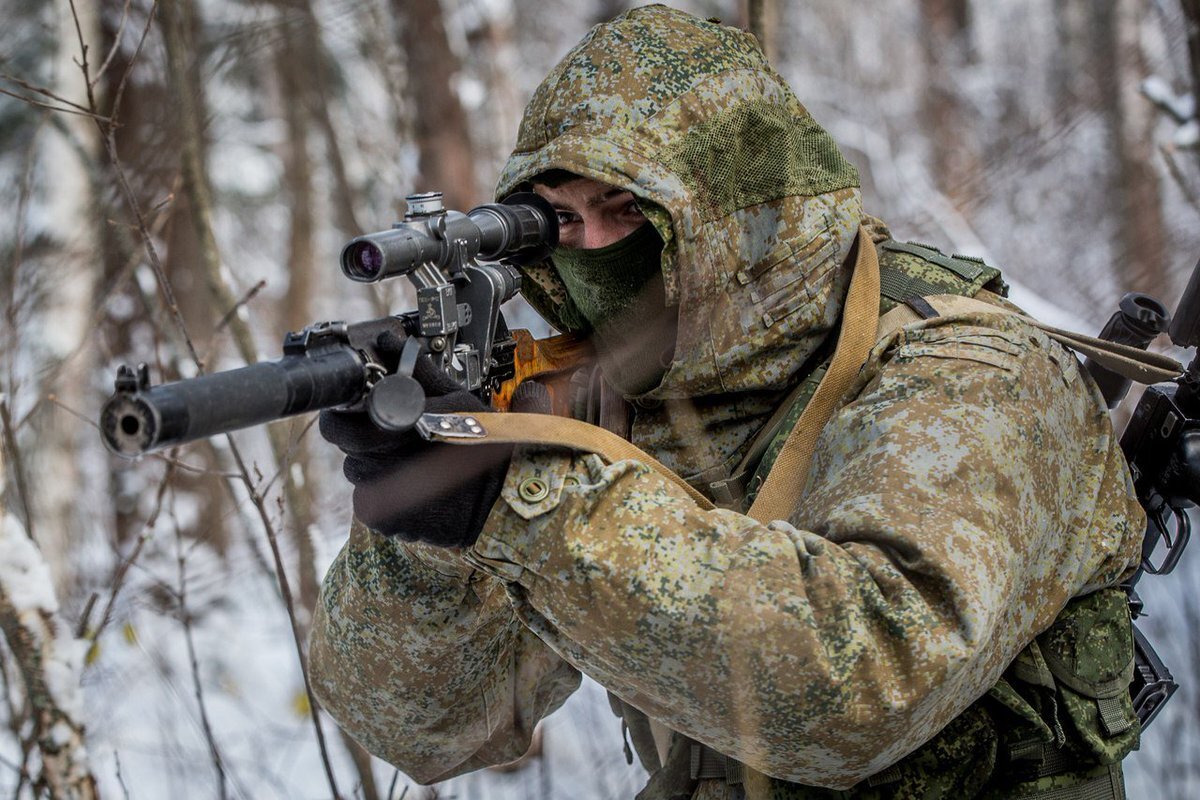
column 533, row 490
column 570, row 480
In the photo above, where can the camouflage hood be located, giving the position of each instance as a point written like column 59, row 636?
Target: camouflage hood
column 756, row 205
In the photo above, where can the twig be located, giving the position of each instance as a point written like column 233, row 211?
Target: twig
column 186, row 619
column 83, row 51
column 116, row 45
column 52, row 398
column 255, row 289
column 120, row 779
column 192, row 468
column 289, row 604
column 123, row 569
column 44, row 92
column 63, row 109
column 120, row 93
column 291, row 451
column 18, row 466
column 86, row 615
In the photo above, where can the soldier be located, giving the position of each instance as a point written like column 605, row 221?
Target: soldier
column 935, row 613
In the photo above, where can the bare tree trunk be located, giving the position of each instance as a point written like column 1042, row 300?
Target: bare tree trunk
column 1191, row 13
column 1118, row 69
column 48, row 659
column 65, row 149
column 494, row 55
column 446, row 159
column 301, row 81
column 296, row 90
column 762, row 20
column 945, row 45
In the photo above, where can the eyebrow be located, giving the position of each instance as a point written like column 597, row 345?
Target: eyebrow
column 601, row 199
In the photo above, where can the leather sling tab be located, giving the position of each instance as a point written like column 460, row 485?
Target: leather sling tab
column 510, row 428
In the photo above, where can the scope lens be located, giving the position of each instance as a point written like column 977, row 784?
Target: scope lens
column 363, row 260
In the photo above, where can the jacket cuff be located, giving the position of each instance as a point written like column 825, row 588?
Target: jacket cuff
column 538, row 481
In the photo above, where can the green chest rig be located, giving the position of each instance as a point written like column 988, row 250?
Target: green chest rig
column 1060, row 720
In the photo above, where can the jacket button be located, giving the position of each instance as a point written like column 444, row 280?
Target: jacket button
column 533, row 490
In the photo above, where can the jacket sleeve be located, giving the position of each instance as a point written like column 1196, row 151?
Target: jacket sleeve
column 419, row 657
column 971, row 487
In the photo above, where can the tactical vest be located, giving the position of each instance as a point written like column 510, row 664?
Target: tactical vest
column 1060, row 720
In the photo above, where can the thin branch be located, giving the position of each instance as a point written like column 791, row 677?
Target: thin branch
column 50, row 398
column 18, row 463
column 24, row 84
column 83, row 50
column 86, row 616
column 63, row 109
column 192, row 468
column 291, row 452
column 116, row 45
column 120, row 779
column 151, row 251
column 198, row 685
column 123, row 569
column 290, row 605
column 120, row 93
column 254, row 290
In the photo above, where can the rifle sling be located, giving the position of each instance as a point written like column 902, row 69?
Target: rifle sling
column 861, row 328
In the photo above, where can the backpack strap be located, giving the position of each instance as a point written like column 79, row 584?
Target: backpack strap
column 1128, row 362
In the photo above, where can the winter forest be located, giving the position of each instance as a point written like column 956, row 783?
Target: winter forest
column 178, row 180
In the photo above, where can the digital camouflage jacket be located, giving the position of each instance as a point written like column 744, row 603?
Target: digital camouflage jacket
column 969, row 488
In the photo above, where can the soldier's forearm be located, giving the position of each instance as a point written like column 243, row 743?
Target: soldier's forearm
column 419, row 658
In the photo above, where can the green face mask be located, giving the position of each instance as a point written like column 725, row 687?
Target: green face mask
column 619, row 291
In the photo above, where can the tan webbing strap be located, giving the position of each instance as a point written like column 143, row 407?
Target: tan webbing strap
column 509, row 428
column 1128, row 362
column 777, row 497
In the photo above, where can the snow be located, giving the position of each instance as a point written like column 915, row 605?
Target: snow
column 25, row 581
column 24, row 576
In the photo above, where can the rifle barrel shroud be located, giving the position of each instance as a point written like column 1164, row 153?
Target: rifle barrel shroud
column 312, row 375
column 333, row 364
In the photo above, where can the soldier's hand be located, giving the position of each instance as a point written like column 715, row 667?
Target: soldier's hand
column 416, row 490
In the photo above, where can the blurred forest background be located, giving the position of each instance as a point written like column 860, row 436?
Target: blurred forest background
column 176, row 191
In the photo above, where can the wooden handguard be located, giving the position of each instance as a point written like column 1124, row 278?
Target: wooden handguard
column 551, row 361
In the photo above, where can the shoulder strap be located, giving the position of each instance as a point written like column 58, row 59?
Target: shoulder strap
column 860, row 317
column 1128, row 362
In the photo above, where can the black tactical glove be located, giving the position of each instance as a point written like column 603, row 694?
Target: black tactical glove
column 421, row 491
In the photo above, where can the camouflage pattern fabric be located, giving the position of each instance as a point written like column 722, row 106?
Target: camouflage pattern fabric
column 967, row 491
